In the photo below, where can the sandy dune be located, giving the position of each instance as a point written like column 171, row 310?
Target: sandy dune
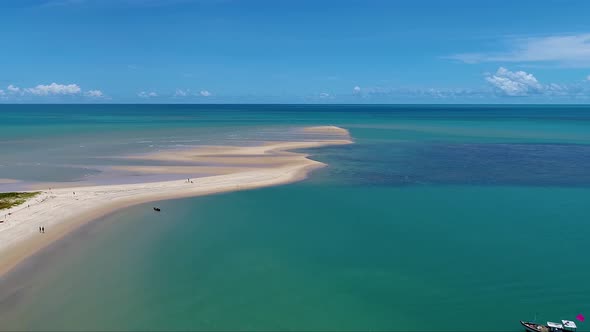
column 60, row 210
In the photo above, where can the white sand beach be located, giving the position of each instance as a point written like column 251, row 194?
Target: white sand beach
column 61, row 210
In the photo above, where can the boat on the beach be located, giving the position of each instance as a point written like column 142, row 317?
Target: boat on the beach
column 565, row 325
column 157, row 209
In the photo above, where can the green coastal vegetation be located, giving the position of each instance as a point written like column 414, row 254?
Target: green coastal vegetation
column 8, row 200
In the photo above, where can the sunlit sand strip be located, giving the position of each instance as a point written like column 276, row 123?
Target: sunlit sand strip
column 60, row 210
column 330, row 130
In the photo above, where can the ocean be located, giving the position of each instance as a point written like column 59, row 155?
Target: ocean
column 438, row 218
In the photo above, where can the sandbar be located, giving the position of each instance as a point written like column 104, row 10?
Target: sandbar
column 61, row 210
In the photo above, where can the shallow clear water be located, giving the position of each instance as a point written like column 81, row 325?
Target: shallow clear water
column 80, row 143
column 437, row 218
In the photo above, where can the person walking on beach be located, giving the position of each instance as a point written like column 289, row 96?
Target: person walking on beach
column 43, row 229
column 39, row 229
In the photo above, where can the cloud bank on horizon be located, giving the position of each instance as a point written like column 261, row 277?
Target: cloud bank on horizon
column 223, row 51
column 15, row 93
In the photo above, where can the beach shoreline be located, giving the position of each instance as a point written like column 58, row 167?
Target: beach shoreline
column 62, row 210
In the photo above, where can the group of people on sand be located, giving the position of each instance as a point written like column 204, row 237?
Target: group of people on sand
column 41, row 229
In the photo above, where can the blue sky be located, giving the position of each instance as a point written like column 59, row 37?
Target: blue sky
column 250, row 51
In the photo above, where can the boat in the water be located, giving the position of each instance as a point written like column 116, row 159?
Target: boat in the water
column 157, row 209
column 565, row 325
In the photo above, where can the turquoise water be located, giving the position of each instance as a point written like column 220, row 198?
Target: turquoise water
column 437, row 218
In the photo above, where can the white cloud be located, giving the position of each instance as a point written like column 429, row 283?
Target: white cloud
column 403, row 92
column 13, row 89
column 502, row 83
column 49, row 90
column 205, row 93
column 54, row 89
column 181, row 93
column 588, row 78
column 144, row 94
column 324, row 95
column 2, row 93
column 522, row 84
column 511, row 83
column 94, row 94
column 569, row 50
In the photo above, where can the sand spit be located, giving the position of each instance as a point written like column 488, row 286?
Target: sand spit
column 61, row 210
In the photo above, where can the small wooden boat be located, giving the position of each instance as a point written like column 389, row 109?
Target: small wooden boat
column 567, row 325
column 156, row 209
column 532, row 327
